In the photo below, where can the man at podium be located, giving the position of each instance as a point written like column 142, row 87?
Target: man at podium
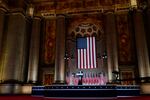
column 80, row 75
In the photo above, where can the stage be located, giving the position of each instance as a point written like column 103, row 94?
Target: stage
column 91, row 91
column 28, row 97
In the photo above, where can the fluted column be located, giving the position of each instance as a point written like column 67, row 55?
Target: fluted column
column 147, row 36
column 2, row 19
column 14, row 51
column 148, row 29
column 141, row 45
column 34, row 50
column 115, row 49
column 112, row 60
column 60, row 50
column 148, row 3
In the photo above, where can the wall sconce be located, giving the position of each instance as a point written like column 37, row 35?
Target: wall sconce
column 104, row 56
column 66, row 57
column 133, row 3
column 30, row 10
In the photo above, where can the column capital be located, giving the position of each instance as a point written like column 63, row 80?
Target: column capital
column 17, row 13
column 109, row 12
column 16, row 6
column 37, row 17
column 3, row 6
column 3, row 10
column 139, row 10
column 136, row 10
column 17, row 10
column 60, row 16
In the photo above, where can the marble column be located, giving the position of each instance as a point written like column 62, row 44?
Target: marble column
column 60, row 50
column 2, row 20
column 148, row 29
column 14, row 51
column 148, row 3
column 112, row 52
column 141, row 45
column 34, row 50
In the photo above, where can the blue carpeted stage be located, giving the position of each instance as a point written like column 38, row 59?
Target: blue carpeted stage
column 86, row 91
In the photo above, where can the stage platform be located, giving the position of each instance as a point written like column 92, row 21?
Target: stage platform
column 86, row 91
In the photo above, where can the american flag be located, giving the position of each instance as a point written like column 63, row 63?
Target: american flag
column 86, row 53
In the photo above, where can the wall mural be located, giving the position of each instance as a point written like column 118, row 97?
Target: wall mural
column 49, row 41
column 125, row 41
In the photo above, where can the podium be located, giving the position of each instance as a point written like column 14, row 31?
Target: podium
column 80, row 75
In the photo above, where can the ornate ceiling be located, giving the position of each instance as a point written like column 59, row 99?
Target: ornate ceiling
column 47, row 7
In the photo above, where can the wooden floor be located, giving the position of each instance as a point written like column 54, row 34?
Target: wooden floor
column 28, row 97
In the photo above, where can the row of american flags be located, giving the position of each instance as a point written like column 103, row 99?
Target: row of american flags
column 86, row 53
column 88, row 79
